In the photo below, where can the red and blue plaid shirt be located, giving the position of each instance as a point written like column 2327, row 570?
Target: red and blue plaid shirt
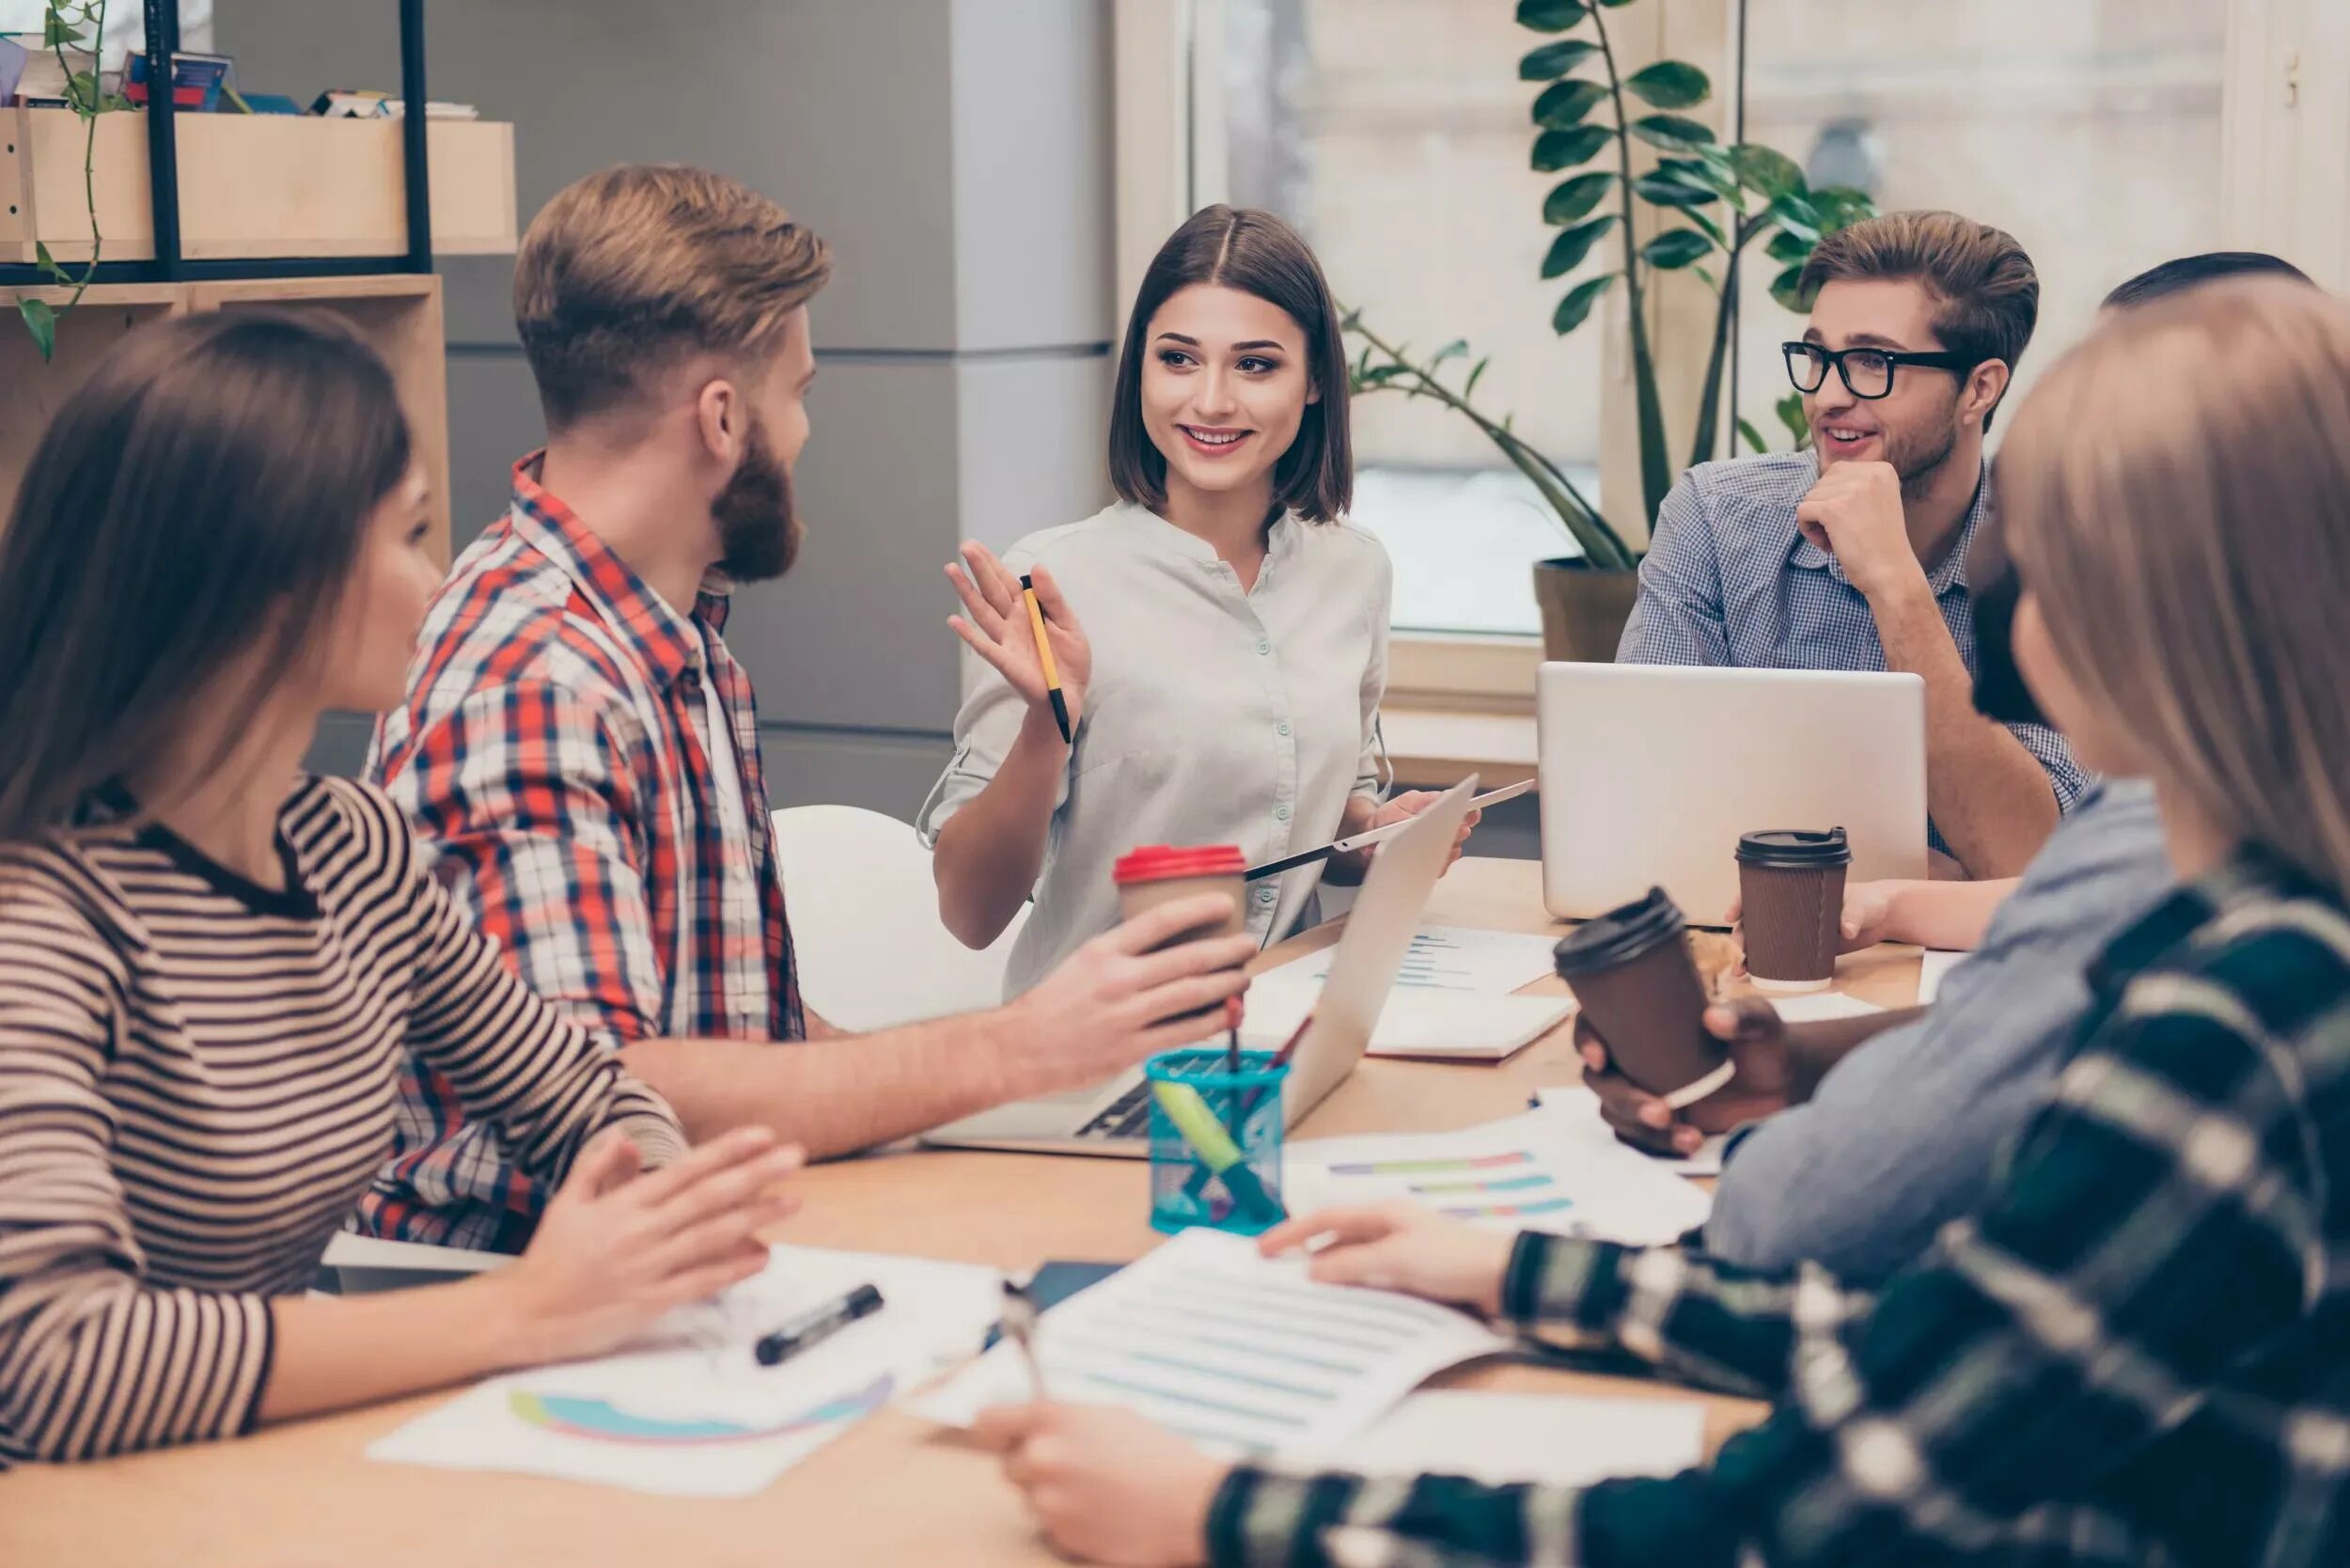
column 552, row 754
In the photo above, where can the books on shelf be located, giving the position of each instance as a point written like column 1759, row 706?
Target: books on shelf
column 198, row 81
column 368, row 103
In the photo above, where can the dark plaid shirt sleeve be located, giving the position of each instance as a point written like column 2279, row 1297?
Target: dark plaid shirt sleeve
column 2157, row 1228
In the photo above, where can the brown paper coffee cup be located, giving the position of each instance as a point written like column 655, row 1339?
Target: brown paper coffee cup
column 1791, row 893
column 1633, row 976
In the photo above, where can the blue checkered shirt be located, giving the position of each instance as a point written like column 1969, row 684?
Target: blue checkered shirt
column 1730, row 580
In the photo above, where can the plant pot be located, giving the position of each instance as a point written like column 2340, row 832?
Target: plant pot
column 1584, row 608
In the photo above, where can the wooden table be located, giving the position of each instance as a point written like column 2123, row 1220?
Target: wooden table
column 893, row 1491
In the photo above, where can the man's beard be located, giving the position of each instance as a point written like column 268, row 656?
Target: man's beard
column 1918, row 456
column 758, row 527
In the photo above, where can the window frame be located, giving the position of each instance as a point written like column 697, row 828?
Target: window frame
column 2284, row 187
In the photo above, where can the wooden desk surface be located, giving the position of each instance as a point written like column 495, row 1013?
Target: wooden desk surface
column 894, row 1490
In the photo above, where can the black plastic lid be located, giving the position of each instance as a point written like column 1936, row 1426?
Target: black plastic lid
column 1794, row 846
column 1619, row 936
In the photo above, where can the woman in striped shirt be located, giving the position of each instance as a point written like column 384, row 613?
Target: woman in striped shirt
column 210, row 964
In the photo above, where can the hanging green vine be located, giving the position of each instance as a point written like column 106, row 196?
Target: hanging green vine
column 72, row 25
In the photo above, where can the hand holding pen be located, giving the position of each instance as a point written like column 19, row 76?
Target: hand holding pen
column 1026, row 631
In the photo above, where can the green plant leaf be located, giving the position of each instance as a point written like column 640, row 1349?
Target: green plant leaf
column 1571, row 199
column 1797, row 217
column 1766, row 170
column 1676, row 249
column 1792, row 249
column 1453, row 350
column 1470, row 385
column 1790, row 412
column 1753, row 437
column 1579, row 302
column 1711, row 281
column 1567, row 103
column 1554, row 60
column 42, row 322
column 1573, row 244
column 1787, row 289
column 1840, row 207
column 1669, row 84
column 57, row 33
column 1562, row 149
column 1671, row 184
column 1705, row 225
column 1615, row 3
column 1672, row 132
column 1551, row 16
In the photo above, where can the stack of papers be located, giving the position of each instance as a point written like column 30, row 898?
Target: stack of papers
column 1937, row 963
column 689, row 1411
column 1541, row 1170
column 1452, row 998
column 1243, row 1355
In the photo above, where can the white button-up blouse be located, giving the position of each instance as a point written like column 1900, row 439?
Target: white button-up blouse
column 1215, row 715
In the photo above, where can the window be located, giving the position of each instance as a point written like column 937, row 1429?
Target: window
column 1394, row 134
column 2093, row 133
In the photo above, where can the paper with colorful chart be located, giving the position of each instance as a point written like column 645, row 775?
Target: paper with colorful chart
column 1527, row 1172
column 1243, row 1355
column 689, row 1411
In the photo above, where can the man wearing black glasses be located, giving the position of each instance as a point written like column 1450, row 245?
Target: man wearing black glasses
column 1853, row 556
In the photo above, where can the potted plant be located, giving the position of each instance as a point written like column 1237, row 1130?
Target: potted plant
column 1703, row 206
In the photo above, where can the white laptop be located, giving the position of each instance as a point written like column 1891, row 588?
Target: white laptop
column 1651, row 772
column 1115, row 1119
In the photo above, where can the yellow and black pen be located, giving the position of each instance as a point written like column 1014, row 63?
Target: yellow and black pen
column 1044, row 657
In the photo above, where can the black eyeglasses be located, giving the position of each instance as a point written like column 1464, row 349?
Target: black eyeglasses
column 1867, row 372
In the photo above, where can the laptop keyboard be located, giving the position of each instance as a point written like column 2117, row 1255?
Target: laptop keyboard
column 1128, row 1116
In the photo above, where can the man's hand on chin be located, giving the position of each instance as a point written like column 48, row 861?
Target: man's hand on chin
column 1855, row 513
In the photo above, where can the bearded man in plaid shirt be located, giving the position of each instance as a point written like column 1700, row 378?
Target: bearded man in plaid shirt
column 580, row 750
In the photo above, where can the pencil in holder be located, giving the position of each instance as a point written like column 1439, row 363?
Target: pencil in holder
column 1216, row 1140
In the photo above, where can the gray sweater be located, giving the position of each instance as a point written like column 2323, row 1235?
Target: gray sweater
column 1902, row 1136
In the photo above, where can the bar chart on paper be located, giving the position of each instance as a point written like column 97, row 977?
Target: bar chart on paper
column 1510, row 1185
column 1523, row 1173
column 1447, row 958
column 1240, row 1354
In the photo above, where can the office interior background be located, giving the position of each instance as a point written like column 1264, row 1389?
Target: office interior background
column 991, row 175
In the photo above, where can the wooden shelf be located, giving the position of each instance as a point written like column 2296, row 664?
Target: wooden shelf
column 251, row 186
column 399, row 313
column 1437, row 748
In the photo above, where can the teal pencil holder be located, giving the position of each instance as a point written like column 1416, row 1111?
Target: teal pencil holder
column 1216, row 1140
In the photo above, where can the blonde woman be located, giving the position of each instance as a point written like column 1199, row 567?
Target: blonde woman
column 2140, row 1350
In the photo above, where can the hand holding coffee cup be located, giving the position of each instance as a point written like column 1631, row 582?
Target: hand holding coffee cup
column 1791, row 905
column 1162, row 873
column 1636, row 982
column 1760, row 1085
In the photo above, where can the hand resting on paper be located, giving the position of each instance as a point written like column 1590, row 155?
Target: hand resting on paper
column 1760, row 1086
column 1106, row 1485
column 1400, row 1246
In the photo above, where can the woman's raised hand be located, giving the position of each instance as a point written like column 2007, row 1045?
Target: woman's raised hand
column 996, row 623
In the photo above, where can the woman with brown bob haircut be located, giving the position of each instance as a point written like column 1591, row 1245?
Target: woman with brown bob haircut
column 1227, row 691
column 213, row 965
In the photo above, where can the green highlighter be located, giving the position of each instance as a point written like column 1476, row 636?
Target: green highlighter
column 1216, row 1150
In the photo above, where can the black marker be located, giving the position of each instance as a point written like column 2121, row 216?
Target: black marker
column 817, row 1324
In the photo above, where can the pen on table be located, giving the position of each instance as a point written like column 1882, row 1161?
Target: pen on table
column 1020, row 1327
column 1044, row 655
column 817, row 1324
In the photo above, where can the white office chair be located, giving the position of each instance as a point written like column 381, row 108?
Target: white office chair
column 873, row 952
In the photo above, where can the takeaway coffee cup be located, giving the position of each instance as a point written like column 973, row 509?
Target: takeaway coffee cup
column 1637, row 982
column 1161, row 873
column 1790, row 896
